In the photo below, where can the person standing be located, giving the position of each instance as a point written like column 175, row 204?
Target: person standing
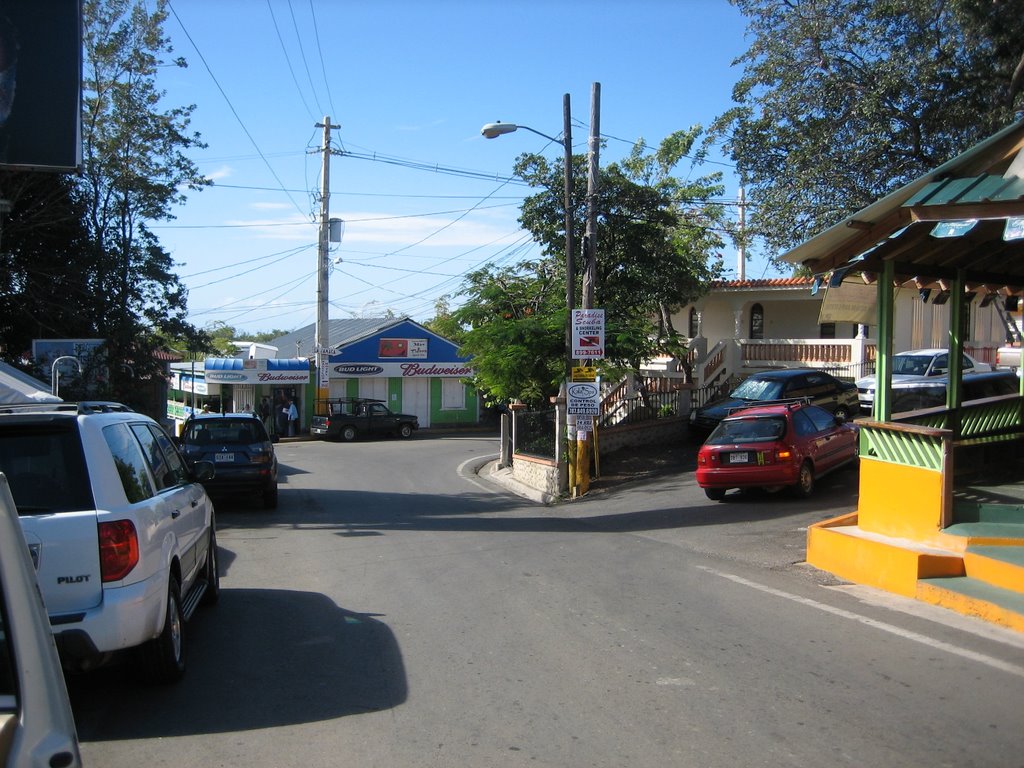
column 281, row 415
column 293, row 417
column 264, row 414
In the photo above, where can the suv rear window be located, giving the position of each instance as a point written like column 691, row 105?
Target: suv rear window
column 225, row 430
column 45, row 467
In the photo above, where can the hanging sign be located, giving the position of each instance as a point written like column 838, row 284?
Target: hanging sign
column 849, row 303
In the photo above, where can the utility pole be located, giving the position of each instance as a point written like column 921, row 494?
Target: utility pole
column 583, row 447
column 321, row 341
column 741, row 253
column 593, row 168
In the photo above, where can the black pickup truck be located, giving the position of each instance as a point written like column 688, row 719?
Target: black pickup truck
column 345, row 418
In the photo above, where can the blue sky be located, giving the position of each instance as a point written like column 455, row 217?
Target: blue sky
column 410, row 84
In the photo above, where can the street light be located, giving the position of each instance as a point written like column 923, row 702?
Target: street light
column 492, row 131
column 55, row 372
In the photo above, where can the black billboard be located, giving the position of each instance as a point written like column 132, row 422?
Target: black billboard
column 40, row 84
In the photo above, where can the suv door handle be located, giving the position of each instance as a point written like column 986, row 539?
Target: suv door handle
column 176, row 514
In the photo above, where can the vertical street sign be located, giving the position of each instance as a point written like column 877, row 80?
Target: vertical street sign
column 588, row 334
column 584, row 398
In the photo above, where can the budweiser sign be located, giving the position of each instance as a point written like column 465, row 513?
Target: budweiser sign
column 416, row 369
column 406, row 370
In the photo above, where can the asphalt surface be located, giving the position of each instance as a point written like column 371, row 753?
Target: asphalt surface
column 401, row 609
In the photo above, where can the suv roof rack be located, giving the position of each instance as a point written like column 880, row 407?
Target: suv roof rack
column 84, row 407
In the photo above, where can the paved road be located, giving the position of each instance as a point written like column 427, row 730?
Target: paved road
column 398, row 610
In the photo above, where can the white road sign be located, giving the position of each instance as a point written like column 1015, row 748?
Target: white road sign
column 584, row 398
column 588, row 334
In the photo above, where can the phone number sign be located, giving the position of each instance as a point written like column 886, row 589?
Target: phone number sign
column 588, row 334
column 584, row 399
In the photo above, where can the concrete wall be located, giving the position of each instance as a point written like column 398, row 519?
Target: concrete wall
column 536, row 472
column 542, row 474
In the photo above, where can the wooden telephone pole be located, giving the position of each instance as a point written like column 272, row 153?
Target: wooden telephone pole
column 322, row 342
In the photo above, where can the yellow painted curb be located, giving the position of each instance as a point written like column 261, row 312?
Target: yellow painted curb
column 970, row 606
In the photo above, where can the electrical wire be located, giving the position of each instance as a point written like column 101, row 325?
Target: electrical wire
column 302, row 53
column 320, row 51
column 231, row 106
column 287, row 58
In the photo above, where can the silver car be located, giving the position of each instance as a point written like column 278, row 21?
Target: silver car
column 36, row 722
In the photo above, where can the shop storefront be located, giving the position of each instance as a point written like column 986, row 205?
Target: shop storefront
column 410, row 368
column 230, row 384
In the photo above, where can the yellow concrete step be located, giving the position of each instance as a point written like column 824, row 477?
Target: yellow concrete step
column 973, row 597
column 1002, row 567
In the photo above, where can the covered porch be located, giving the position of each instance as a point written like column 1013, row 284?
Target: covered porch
column 940, row 512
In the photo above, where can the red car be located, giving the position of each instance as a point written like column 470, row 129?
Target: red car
column 773, row 447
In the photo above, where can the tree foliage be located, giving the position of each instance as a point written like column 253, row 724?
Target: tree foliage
column 44, row 255
column 658, row 238
column 842, row 101
column 135, row 172
column 79, row 259
column 515, row 330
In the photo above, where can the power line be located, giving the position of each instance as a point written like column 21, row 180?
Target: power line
column 232, row 108
column 302, row 53
column 320, row 51
column 287, row 59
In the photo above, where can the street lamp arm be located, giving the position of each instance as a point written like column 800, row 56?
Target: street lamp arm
column 494, row 130
column 55, row 371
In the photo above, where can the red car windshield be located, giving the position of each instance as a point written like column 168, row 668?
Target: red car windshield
column 760, row 429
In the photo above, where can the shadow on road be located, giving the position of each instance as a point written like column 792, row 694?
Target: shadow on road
column 656, row 505
column 259, row 659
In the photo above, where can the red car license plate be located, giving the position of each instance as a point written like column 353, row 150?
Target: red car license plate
column 739, row 458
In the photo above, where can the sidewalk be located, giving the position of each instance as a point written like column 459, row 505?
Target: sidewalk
column 617, row 469
column 503, row 477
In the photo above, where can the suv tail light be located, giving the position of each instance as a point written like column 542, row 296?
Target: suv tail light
column 119, row 549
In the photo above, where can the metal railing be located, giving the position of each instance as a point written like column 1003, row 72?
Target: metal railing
column 534, row 433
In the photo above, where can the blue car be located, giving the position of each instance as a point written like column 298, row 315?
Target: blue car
column 241, row 451
column 785, row 384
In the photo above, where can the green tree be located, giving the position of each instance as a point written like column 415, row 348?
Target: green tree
column 515, row 318
column 43, row 257
column 135, row 171
column 444, row 323
column 658, row 238
column 843, row 101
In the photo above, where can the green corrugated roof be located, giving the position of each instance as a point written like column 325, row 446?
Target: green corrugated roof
column 986, row 188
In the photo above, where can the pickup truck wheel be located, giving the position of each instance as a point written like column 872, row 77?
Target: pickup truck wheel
column 405, row 431
column 163, row 657
column 348, row 433
column 211, row 572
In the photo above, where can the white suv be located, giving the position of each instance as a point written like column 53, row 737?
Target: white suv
column 121, row 532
